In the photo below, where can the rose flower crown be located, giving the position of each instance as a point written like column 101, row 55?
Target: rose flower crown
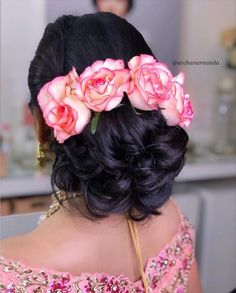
column 67, row 101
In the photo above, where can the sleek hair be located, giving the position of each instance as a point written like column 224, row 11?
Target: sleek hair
column 132, row 160
column 130, row 4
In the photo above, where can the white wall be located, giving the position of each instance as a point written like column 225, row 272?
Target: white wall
column 202, row 21
column 22, row 25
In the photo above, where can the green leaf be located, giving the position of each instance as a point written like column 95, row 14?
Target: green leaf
column 95, row 122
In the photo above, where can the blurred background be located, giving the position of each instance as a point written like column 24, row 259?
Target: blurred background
column 197, row 37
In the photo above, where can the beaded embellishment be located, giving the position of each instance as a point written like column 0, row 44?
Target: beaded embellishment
column 167, row 272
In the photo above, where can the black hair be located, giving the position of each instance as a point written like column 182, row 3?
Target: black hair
column 130, row 163
column 130, row 4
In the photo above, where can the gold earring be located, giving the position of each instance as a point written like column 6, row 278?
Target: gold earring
column 40, row 156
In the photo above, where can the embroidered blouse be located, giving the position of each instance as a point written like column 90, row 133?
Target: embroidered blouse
column 166, row 272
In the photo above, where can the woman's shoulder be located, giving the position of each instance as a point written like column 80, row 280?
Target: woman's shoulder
column 15, row 245
column 177, row 252
column 169, row 232
column 171, row 223
column 176, row 221
column 183, row 239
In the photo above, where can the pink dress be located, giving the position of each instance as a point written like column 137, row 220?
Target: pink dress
column 166, row 272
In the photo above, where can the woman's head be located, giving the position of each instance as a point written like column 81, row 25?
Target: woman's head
column 132, row 160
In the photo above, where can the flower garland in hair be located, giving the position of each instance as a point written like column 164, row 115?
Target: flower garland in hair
column 67, row 101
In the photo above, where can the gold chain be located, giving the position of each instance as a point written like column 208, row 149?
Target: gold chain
column 55, row 206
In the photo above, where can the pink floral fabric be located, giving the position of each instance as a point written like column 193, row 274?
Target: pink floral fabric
column 166, row 272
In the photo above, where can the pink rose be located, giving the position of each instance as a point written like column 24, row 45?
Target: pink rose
column 61, row 108
column 151, row 82
column 187, row 114
column 102, row 84
column 177, row 110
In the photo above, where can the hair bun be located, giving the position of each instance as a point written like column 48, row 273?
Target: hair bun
column 131, row 161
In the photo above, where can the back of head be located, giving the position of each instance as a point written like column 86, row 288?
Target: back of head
column 130, row 163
